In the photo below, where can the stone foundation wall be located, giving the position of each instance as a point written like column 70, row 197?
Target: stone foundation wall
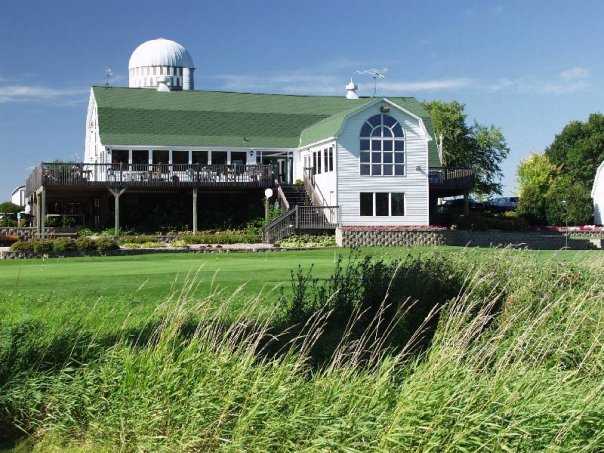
column 351, row 236
column 27, row 233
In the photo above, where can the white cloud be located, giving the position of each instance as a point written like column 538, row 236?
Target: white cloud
column 299, row 82
column 577, row 72
column 32, row 93
column 424, row 85
column 564, row 88
column 568, row 81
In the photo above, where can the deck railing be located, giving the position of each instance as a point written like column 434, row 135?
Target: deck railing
column 302, row 218
column 65, row 174
column 451, row 178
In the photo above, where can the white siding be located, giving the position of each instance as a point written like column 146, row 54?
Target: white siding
column 93, row 148
column 414, row 184
column 325, row 182
column 598, row 196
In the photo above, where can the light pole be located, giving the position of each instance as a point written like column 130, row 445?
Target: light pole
column 565, row 204
column 267, row 194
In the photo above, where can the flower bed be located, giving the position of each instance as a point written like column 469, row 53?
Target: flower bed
column 308, row 241
column 64, row 247
column 221, row 237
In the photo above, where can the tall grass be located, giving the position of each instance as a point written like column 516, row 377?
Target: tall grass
column 506, row 356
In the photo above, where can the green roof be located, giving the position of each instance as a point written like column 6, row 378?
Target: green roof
column 139, row 116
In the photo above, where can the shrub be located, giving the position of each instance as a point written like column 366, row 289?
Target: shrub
column 568, row 201
column 220, row 237
column 85, row 232
column 483, row 221
column 25, row 247
column 110, row 232
column 85, row 244
column 63, row 245
column 7, row 221
column 54, row 221
column 308, row 241
column 138, row 239
column 105, row 245
column 42, row 247
column 142, row 245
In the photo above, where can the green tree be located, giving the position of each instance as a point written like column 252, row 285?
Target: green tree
column 568, row 201
column 576, row 153
column 489, row 152
column 535, row 175
column 579, row 149
column 449, row 121
column 9, row 208
column 478, row 147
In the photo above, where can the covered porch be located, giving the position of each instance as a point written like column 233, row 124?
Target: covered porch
column 91, row 193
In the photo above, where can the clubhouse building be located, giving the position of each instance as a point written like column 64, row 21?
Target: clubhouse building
column 161, row 150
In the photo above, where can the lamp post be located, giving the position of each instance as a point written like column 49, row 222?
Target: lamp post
column 268, row 193
column 565, row 204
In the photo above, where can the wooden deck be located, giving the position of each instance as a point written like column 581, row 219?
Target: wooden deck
column 445, row 182
column 151, row 176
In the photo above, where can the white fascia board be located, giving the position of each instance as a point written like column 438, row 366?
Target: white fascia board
column 389, row 102
column 348, row 115
column 413, row 115
column 320, row 142
column 356, row 111
column 194, row 148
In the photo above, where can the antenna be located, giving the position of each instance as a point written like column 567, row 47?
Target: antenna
column 375, row 74
column 108, row 76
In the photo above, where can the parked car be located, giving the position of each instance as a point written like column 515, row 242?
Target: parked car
column 458, row 204
column 502, row 204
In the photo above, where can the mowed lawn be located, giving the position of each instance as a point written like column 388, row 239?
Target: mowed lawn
column 117, row 287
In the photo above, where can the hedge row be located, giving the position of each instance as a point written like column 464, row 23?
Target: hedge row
column 221, row 237
column 62, row 246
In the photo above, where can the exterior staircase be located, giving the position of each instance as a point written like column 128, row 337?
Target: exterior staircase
column 302, row 218
column 296, row 195
column 301, row 214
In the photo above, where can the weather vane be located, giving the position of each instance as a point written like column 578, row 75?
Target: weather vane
column 375, row 74
column 108, row 76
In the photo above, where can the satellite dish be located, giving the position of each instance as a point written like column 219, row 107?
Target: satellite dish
column 268, row 193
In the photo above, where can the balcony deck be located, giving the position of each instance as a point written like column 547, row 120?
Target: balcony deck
column 148, row 176
column 448, row 182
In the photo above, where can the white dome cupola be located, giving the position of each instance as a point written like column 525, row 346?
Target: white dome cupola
column 161, row 61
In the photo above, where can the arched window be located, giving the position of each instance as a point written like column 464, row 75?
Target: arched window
column 382, row 147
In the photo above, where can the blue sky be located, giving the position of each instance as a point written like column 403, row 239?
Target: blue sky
column 527, row 67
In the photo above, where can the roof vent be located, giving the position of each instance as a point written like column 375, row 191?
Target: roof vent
column 351, row 90
column 162, row 84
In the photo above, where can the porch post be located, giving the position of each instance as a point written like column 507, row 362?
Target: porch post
column 466, row 204
column 116, row 197
column 42, row 210
column 36, row 210
column 195, row 210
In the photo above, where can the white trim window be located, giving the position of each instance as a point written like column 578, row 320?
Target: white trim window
column 382, row 147
column 381, row 204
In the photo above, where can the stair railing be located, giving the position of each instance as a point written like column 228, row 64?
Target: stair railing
column 281, row 196
column 313, row 191
column 302, row 218
column 281, row 227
